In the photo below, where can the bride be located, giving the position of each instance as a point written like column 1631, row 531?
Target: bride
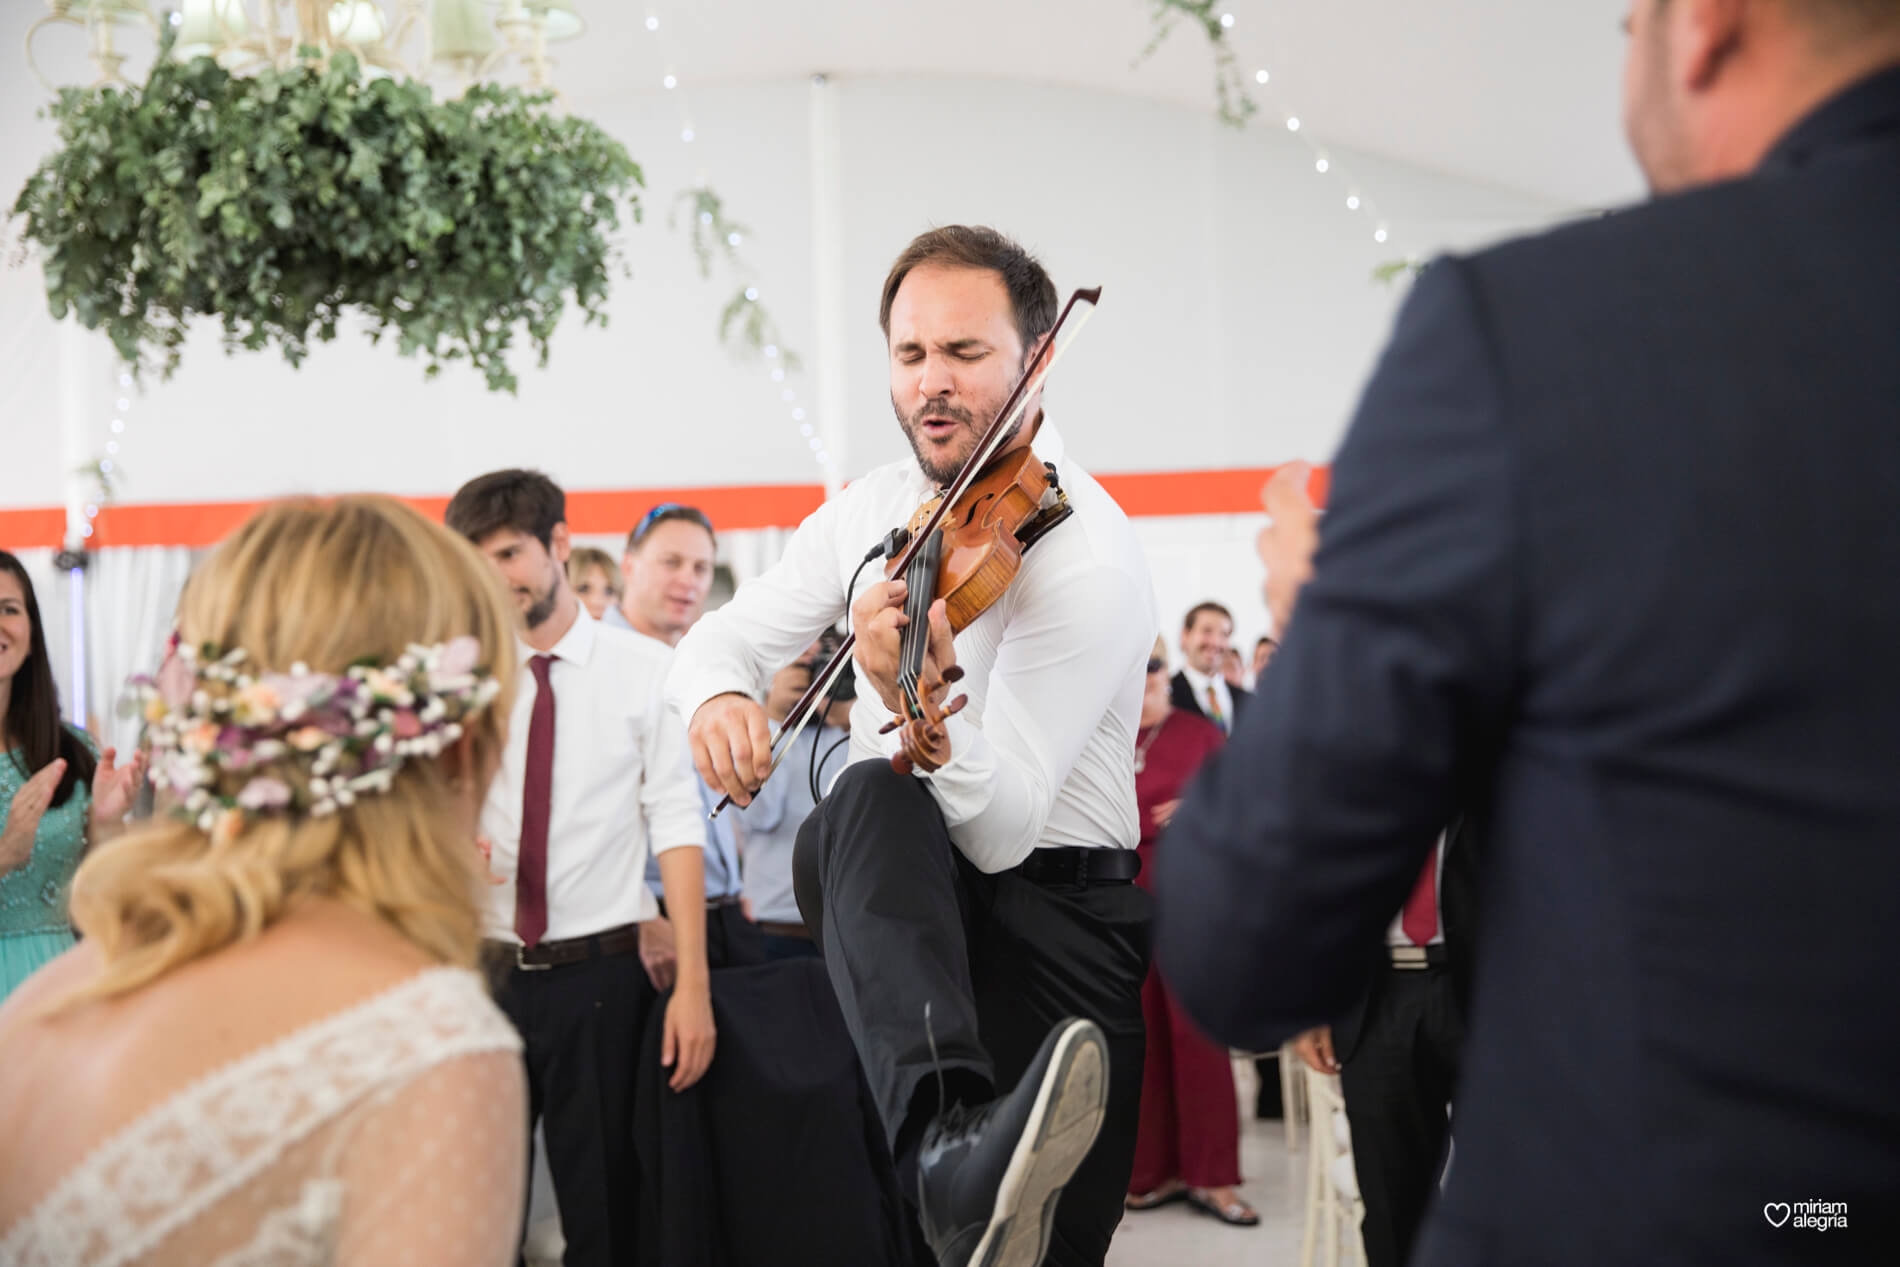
column 269, row 1047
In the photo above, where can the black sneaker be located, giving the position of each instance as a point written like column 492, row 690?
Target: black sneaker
column 988, row 1178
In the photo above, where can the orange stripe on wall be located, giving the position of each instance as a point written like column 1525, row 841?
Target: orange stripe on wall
column 615, row 511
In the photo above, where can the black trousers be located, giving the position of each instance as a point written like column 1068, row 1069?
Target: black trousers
column 1398, row 1086
column 905, row 920
column 580, row 1027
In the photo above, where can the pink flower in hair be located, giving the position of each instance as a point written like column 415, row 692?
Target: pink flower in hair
column 176, row 682
column 459, row 656
column 264, row 793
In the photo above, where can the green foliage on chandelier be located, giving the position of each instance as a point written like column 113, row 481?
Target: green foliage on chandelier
column 283, row 202
column 1233, row 102
column 744, row 322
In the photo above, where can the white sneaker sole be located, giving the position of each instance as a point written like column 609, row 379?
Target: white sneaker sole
column 1061, row 1129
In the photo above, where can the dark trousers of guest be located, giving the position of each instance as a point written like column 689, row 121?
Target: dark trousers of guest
column 1190, row 1118
column 732, row 940
column 778, row 946
column 906, row 922
column 1398, row 1084
column 580, row 1027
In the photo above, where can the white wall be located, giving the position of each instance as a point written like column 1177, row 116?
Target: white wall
column 1237, row 324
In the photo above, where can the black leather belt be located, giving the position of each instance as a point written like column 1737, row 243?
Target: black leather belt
column 624, row 940
column 775, row 928
column 1073, row 865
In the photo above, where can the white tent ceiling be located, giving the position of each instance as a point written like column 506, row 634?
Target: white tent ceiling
column 1521, row 94
column 1517, row 93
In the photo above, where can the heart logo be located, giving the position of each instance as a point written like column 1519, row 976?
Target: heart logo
column 1776, row 1212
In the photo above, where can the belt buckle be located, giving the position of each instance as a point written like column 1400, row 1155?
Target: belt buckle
column 522, row 964
column 1409, row 957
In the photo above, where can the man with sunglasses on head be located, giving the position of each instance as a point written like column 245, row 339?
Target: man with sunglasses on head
column 668, row 569
column 979, row 922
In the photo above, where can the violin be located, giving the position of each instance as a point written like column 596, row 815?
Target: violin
column 964, row 546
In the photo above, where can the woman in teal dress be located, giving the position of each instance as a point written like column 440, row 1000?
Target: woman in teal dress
column 57, row 793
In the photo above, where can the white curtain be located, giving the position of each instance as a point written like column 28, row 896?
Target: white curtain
column 131, row 603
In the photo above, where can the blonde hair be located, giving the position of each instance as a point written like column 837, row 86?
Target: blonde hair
column 583, row 557
column 328, row 584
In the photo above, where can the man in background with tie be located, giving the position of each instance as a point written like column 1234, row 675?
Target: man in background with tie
column 1397, row 1049
column 1200, row 686
column 668, row 568
column 595, row 777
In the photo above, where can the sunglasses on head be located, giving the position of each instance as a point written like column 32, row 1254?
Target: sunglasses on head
column 669, row 510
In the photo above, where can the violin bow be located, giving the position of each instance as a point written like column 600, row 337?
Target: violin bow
column 1005, row 421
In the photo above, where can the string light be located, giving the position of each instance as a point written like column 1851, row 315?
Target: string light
column 670, row 80
column 1227, row 21
column 1323, row 162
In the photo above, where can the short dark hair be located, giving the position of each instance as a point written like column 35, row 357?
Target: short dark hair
column 526, row 501
column 1031, row 294
column 669, row 512
column 1187, row 621
column 1266, row 640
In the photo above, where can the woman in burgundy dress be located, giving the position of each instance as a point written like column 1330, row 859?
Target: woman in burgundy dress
column 1188, row 1148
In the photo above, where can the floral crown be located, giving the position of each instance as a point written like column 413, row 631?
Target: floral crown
column 230, row 742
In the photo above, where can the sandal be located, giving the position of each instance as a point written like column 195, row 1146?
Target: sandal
column 1235, row 1213
column 1155, row 1200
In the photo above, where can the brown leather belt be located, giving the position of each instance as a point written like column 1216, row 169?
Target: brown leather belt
column 771, row 928
column 624, row 940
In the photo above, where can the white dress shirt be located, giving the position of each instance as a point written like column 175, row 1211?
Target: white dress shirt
column 1043, row 754
column 1199, row 683
column 623, row 784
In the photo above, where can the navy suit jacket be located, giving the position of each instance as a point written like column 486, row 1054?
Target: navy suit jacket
column 1612, row 557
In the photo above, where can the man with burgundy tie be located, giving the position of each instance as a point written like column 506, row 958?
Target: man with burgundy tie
column 595, row 777
column 1200, row 686
column 1396, row 1050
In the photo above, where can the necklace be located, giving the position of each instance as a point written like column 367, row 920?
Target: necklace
column 1141, row 749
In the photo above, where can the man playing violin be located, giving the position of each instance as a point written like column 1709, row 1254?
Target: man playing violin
column 977, row 920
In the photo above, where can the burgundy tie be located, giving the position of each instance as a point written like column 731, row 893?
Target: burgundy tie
column 1420, row 918
column 537, row 791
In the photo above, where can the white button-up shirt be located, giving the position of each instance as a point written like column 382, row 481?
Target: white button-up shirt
column 1043, row 755
column 623, row 784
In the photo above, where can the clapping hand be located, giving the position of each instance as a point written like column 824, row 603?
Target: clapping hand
column 1287, row 543
column 115, row 787
column 23, row 816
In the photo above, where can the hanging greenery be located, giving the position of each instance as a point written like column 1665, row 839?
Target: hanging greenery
column 1393, row 271
column 283, row 201
column 1234, row 103
column 744, row 322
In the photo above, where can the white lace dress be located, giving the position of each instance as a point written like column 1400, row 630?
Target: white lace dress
column 391, row 1132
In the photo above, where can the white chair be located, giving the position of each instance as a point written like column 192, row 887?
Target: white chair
column 1296, row 1111
column 1332, row 1185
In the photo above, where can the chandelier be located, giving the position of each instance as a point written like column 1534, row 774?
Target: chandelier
column 464, row 39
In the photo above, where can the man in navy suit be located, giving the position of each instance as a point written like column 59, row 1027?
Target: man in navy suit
column 1612, row 564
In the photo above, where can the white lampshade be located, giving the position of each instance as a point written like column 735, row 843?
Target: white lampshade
column 358, row 22
column 562, row 22
column 206, row 25
column 461, row 30
column 123, row 12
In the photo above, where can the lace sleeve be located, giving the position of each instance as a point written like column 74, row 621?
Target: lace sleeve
column 435, row 1172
